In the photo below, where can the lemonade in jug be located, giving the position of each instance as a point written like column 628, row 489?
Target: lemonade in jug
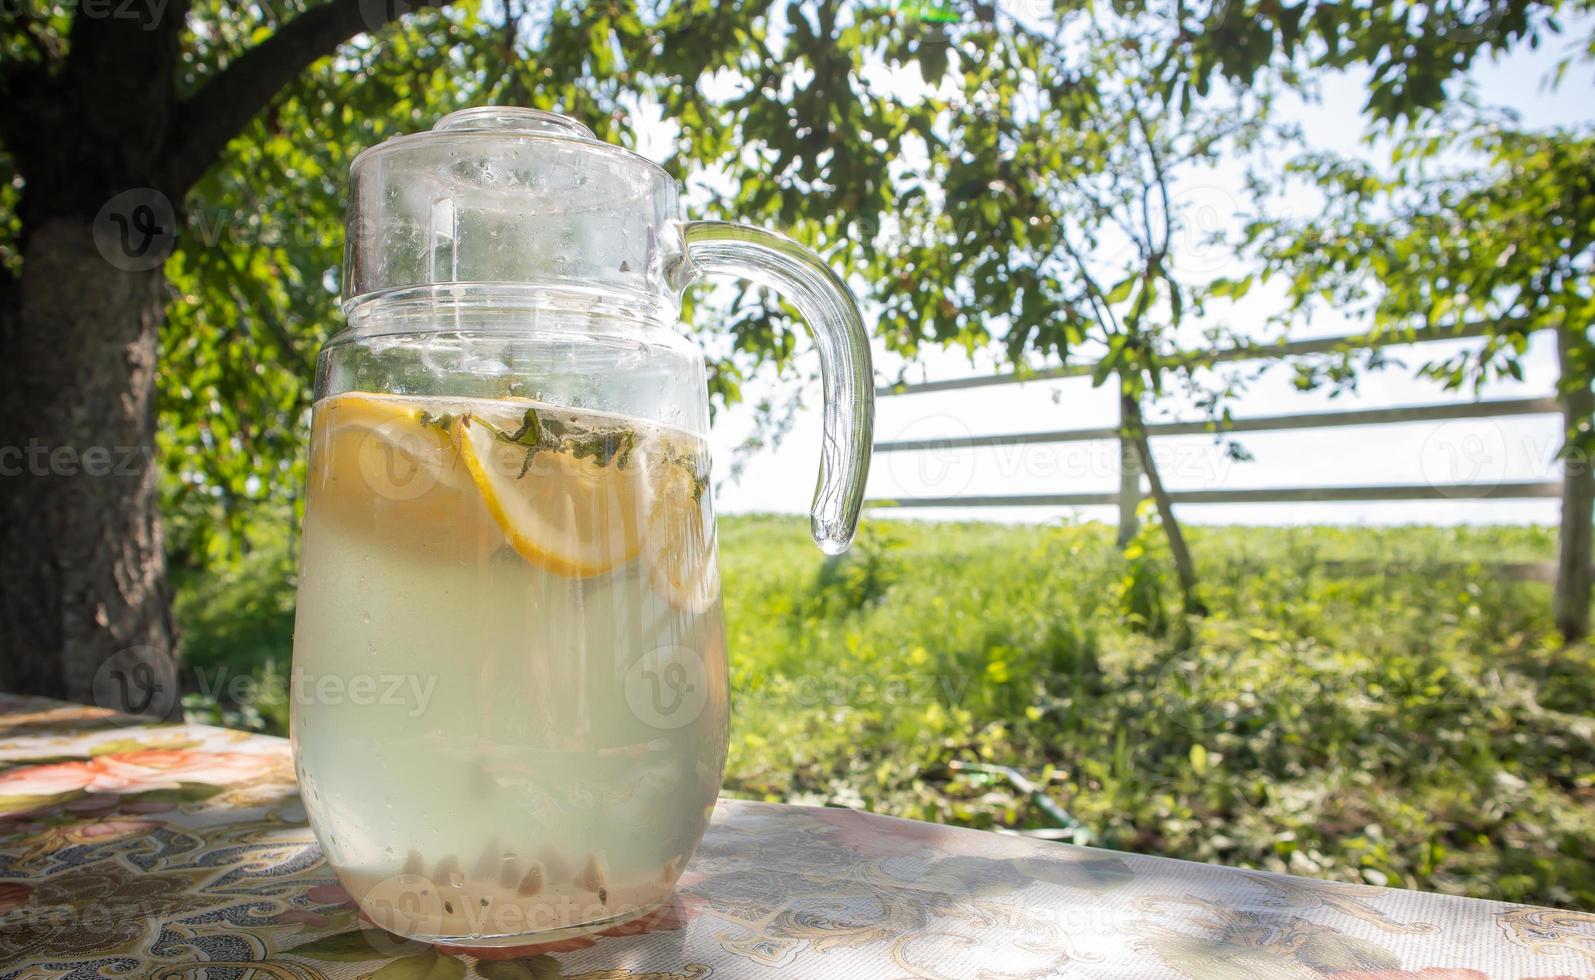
column 510, row 706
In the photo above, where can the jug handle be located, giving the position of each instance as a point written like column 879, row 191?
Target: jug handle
column 827, row 305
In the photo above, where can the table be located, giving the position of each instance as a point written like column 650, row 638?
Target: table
column 129, row 849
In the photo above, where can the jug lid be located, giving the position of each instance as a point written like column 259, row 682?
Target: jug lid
column 508, row 196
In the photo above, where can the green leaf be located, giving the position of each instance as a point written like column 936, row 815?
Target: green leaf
column 182, row 793
column 1230, row 288
column 530, row 433
column 123, row 745
column 430, row 965
column 354, row 946
column 542, row 967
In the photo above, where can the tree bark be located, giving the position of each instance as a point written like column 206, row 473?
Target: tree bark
column 84, row 571
column 1574, row 551
column 106, row 149
column 1129, row 480
column 1184, row 567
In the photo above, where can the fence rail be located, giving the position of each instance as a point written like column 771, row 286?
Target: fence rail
column 1524, row 490
column 1268, row 423
column 1240, row 352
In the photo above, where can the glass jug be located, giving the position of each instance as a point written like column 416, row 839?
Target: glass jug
column 509, row 694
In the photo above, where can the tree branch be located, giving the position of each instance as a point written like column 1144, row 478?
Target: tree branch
column 208, row 119
column 1101, row 308
column 1161, row 182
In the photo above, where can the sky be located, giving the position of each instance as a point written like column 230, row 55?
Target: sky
column 781, row 478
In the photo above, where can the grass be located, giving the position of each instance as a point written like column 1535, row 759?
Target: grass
column 1412, row 722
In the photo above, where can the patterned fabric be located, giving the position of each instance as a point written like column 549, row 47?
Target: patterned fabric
column 175, row 852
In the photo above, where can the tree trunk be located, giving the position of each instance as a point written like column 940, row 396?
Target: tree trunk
column 1129, row 478
column 100, row 133
column 1574, row 555
column 1184, row 568
column 83, row 577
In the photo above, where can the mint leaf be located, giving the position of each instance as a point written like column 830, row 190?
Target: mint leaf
column 442, row 420
column 531, row 431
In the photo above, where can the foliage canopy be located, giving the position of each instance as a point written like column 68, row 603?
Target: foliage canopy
column 949, row 164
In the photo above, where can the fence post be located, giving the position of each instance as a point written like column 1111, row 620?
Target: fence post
column 1129, row 480
column 1574, row 543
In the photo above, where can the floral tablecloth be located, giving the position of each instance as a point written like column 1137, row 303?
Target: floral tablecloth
column 181, row 851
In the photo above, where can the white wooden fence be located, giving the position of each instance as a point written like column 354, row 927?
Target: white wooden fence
column 1574, row 489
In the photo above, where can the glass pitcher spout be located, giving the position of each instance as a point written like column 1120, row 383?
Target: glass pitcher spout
column 846, row 374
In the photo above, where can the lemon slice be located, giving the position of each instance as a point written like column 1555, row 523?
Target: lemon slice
column 566, row 515
column 374, row 450
column 680, row 543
